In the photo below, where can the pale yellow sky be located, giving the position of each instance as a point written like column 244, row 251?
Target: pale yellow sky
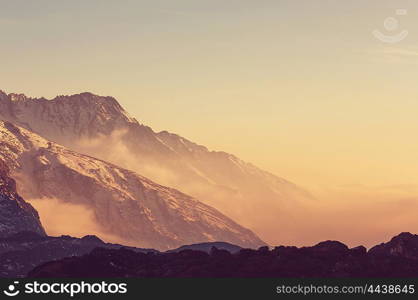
column 300, row 88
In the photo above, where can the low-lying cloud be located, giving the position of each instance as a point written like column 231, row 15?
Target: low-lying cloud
column 63, row 218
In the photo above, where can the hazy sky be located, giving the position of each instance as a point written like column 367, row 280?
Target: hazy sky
column 300, row 88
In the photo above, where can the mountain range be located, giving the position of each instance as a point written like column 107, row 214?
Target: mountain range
column 100, row 127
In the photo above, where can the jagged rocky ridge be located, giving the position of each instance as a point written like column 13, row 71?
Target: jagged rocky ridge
column 100, row 127
column 133, row 208
column 397, row 258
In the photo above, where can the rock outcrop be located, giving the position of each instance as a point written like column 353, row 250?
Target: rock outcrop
column 15, row 214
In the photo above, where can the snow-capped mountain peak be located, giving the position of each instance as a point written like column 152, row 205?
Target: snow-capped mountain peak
column 100, row 127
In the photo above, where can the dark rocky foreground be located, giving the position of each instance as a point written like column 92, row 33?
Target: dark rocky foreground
column 23, row 251
column 397, row 258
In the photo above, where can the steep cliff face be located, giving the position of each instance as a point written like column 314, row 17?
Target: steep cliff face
column 100, row 127
column 15, row 214
column 126, row 205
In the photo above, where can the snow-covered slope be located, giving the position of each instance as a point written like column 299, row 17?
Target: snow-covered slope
column 130, row 207
column 100, row 127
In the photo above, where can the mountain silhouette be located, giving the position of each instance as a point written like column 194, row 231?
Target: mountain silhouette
column 324, row 260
